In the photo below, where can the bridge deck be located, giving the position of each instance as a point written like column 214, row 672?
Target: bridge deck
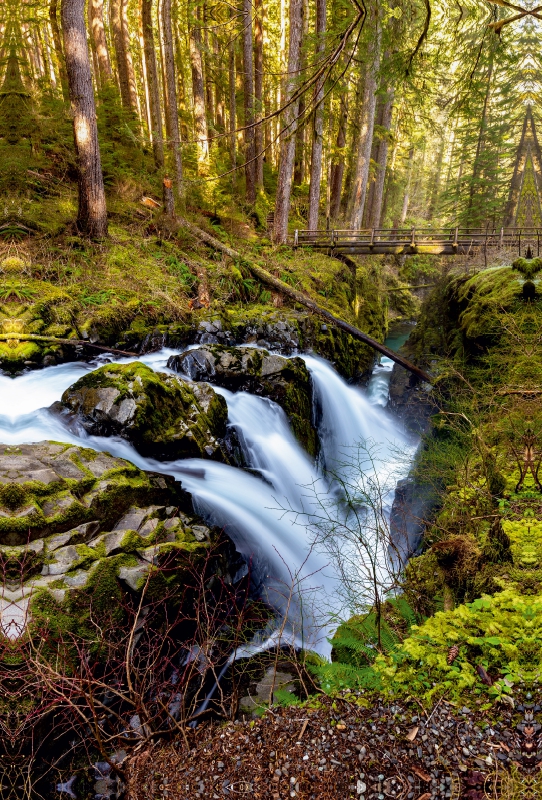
column 435, row 241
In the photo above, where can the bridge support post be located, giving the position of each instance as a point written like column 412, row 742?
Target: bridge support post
column 296, row 238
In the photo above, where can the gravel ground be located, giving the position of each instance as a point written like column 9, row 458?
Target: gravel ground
column 341, row 751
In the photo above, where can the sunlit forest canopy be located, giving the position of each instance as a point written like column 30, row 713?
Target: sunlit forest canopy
column 403, row 113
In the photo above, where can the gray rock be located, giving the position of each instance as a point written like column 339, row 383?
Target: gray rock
column 54, row 542
column 65, row 559
column 134, row 576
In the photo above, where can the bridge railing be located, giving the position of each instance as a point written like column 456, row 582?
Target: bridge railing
column 466, row 237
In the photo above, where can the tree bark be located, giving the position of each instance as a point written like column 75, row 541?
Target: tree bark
column 198, row 91
column 92, row 213
column 248, row 93
column 172, row 117
column 318, row 122
column 96, row 19
column 57, row 43
column 258, row 89
column 152, row 80
column 358, row 189
column 289, row 121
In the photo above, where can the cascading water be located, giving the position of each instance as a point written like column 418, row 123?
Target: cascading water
column 296, row 578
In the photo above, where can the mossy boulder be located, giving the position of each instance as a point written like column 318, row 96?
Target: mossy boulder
column 77, row 522
column 49, row 488
column 286, row 381
column 162, row 415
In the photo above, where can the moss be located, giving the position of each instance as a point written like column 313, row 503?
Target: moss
column 162, row 414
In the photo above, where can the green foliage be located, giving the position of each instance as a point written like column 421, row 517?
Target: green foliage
column 502, row 634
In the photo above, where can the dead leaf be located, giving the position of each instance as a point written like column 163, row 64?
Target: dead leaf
column 425, row 796
column 484, row 677
column 421, row 774
column 413, row 732
column 341, row 726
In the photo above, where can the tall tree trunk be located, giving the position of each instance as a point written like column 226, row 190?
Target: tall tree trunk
column 198, row 91
column 92, row 212
column 219, row 88
column 318, row 122
column 481, row 138
column 289, row 121
column 50, row 63
column 406, row 196
column 248, row 93
column 358, row 189
column 232, row 99
column 258, row 89
column 170, row 103
column 437, row 180
column 144, row 72
column 57, row 42
column 375, row 213
column 515, row 183
column 337, row 167
column 96, row 20
column 300, row 136
column 119, row 43
column 132, row 84
column 207, row 79
column 152, row 80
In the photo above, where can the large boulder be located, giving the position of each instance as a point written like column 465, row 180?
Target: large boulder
column 162, row 415
column 98, row 527
column 286, row 381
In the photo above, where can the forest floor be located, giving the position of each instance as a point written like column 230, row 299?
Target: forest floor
column 337, row 749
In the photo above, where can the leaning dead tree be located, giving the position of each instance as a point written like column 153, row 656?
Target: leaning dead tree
column 279, row 286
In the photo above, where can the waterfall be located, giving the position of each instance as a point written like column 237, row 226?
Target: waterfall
column 297, row 579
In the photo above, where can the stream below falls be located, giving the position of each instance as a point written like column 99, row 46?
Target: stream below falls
column 258, row 509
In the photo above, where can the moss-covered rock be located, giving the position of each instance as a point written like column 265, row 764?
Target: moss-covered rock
column 50, row 488
column 77, row 522
column 287, row 381
column 162, row 415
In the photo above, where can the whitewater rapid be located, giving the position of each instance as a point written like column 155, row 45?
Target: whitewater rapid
column 259, row 509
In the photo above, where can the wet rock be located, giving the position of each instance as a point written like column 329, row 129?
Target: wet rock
column 412, row 507
column 271, row 681
column 410, row 399
column 162, row 415
column 286, row 381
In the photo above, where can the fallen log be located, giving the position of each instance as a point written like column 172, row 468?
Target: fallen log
column 270, row 280
column 16, row 337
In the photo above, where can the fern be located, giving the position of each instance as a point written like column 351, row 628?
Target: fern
column 336, row 676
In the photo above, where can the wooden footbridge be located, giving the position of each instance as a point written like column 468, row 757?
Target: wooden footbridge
column 434, row 241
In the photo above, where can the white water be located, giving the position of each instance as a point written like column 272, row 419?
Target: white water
column 378, row 390
column 296, row 579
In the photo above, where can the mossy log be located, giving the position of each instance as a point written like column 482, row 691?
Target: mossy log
column 278, row 285
column 8, row 337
